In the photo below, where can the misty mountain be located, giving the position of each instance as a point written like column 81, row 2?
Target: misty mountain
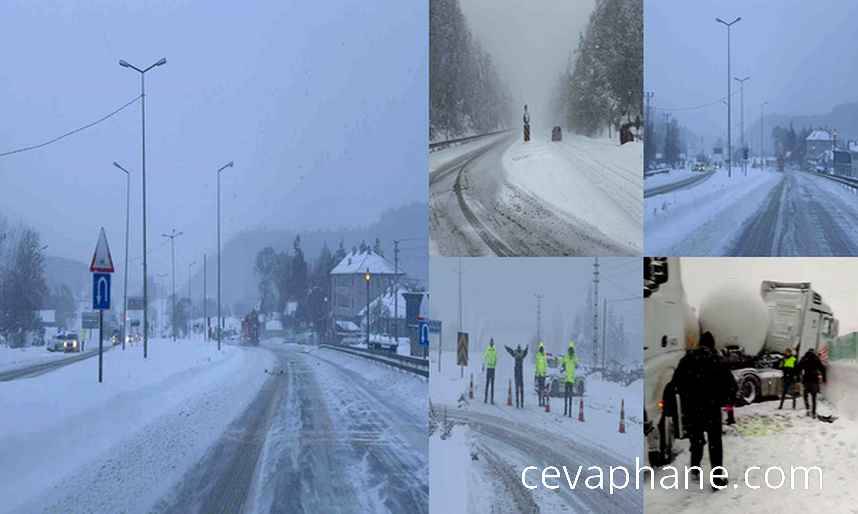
column 239, row 282
column 69, row 272
column 843, row 117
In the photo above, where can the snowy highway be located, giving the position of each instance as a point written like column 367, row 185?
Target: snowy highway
column 51, row 363
column 508, row 198
column 325, row 434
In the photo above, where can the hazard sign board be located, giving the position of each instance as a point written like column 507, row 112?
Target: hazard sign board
column 462, row 349
column 101, row 260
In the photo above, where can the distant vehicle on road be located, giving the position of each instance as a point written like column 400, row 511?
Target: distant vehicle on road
column 67, row 342
column 556, row 134
column 699, row 166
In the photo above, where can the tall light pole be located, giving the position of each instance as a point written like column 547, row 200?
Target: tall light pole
column 742, row 118
column 190, row 301
column 729, row 98
column 142, row 73
column 205, row 308
column 125, row 268
column 219, row 316
column 172, row 237
column 762, row 137
column 366, row 277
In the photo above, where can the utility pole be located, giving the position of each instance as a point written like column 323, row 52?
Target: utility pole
column 172, row 237
column 604, row 333
column 396, row 292
column 742, row 118
column 142, row 73
column 595, row 309
column 762, row 138
column 125, row 268
column 366, row 277
column 190, row 301
column 219, row 316
column 460, row 294
column 205, row 307
column 729, row 98
column 539, row 298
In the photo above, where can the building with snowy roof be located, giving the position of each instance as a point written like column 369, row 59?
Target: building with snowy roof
column 820, row 144
column 349, row 284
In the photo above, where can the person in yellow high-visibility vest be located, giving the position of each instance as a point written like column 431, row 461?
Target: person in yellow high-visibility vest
column 570, row 362
column 541, row 371
column 490, row 360
column 788, row 366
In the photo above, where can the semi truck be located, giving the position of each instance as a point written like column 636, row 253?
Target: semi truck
column 751, row 334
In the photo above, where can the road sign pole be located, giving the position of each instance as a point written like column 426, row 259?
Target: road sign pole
column 100, row 342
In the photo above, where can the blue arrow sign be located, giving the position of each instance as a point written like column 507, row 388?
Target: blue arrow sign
column 424, row 332
column 101, row 291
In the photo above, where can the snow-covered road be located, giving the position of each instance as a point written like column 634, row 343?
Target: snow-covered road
column 510, row 198
column 328, row 433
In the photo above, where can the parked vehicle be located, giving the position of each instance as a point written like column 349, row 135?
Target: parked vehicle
column 556, row 134
column 67, row 342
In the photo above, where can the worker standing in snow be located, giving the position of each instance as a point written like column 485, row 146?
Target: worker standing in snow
column 490, row 360
column 812, row 372
column 541, row 369
column 788, row 367
column 526, row 120
column 570, row 362
column 704, row 385
column 518, row 354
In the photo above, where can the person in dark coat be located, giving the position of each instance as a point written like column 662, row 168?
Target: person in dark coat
column 704, row 385
column 518, row 354
column 812, row 371
column 788, row 367
column 526, row 120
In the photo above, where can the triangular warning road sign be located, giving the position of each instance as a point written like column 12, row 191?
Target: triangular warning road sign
column 101, row 260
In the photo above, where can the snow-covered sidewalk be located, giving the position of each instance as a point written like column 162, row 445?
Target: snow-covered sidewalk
column 16, row 358
column 595, row 180
column 704, row 219
column 73, row 444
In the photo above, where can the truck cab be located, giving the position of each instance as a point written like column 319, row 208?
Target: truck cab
column 671, row 328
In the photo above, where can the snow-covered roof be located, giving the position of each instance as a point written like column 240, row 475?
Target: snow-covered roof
column 359, row 262
column 853, row 146
column 347, row 326
column 387, row 300
column 819, row 135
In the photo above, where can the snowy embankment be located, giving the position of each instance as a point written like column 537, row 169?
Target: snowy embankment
column 602, row 402
column 705, row 218
column 767, row 437
column 440, row 158
column 842, row 387
column 594, row 180
column 74, row 444
column 671, row 177
column 16, row 358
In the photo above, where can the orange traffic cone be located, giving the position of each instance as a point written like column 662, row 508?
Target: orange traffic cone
column 547, row 403
column 622, row 416
column 581, row 410
column 509, row 395
column 471, row 390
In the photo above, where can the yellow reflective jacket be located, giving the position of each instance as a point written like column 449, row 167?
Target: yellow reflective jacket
column 490, row 357
column 569, row 363
column 541, row 364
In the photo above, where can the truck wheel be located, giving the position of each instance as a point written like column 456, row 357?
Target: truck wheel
column 749, row 390
column 664, row 454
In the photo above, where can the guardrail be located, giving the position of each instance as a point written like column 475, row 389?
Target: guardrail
column 444, row 144
column 412, row 364
column 659, row 171
column 849, row 181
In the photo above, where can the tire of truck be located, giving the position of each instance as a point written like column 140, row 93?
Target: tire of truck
column 664, row 454
column 749, row 389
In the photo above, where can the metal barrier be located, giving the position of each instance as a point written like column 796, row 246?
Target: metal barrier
column 412, row 364
column 659, row 171
column 444, row 144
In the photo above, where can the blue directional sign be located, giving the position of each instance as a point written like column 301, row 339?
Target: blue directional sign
column 423, row 325
column 101, row 291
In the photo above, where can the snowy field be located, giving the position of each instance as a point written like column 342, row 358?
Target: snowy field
column 591, row 179
column 15, row 358
column 75, row 445
column 478, row 467
column 764, row 436
column 705, row 219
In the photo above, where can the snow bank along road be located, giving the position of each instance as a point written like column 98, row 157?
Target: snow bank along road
column 328, row 432
column 548, row 200
column 51, row 362
column 533, row 446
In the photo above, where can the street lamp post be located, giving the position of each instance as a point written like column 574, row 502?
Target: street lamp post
column 125, row 268
column 762, row 137
column 230, row 164
column 172, row 237
column 205, row 308
column 142, row 73
column 190, row 300
column 729, row 98
column 366, row 277
column 742, row 118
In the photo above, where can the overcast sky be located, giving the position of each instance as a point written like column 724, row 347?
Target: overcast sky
column 322, row 106
column 800, row 56
column 530, row 43
column 836, row 279
column 498, row 297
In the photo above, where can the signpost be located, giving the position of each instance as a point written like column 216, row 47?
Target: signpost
column 462, row 352
column 88, row 320
column 423, row 326
column 101, row 268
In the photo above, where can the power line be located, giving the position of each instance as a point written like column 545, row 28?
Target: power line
column 693, row 107
column 71, row 132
